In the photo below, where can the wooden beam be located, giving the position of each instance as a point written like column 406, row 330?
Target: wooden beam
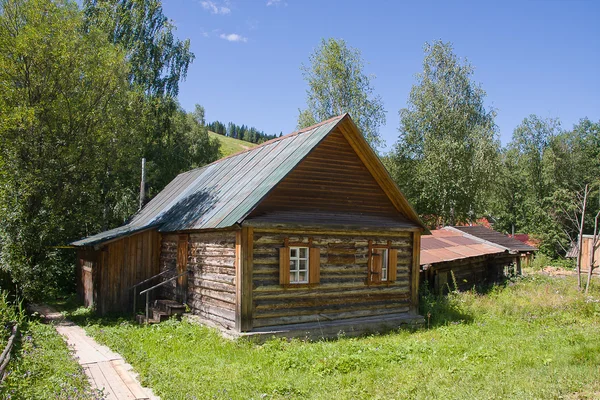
column 244, row 246
column 314, row 231
column 414, row 278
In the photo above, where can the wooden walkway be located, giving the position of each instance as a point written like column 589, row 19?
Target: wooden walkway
column 105, row 369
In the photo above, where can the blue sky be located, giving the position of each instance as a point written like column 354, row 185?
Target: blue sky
column 531, row 57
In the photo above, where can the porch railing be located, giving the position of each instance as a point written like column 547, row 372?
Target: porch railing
column 134, row 287
column 147, row 291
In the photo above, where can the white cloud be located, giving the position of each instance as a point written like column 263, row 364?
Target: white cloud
column 233, row 37
column 275, row 3
column 214, row 8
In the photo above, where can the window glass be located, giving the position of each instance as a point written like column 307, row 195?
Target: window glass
column 298, row 264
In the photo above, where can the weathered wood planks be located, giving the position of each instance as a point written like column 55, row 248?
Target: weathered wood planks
column 106, row 275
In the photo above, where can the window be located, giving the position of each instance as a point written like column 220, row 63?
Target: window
column 382, row 264
column 299, row 264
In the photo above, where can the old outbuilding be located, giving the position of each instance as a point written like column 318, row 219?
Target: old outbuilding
column 512, row 245
column 306, row 234
column 451, row 259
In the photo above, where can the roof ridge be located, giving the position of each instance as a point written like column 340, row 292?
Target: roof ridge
column 277, row 139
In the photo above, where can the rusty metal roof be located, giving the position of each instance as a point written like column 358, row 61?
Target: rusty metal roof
column 493, row 237
column 445, row 245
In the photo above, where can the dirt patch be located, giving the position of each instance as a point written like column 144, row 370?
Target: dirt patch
column 557, row 271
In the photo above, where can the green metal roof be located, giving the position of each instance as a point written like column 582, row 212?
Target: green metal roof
column 223, row 193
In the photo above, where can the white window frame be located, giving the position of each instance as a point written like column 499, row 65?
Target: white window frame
column 385, row 261
column 295, row 273
column 385, row 265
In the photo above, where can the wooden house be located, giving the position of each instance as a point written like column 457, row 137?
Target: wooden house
column 451, row 259
column 304, row 234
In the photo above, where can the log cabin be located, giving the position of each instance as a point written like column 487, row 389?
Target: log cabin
column 304, row 235
column 453, row 260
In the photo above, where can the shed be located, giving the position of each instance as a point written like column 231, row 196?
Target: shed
column 524, row 250
column 586, row 251
column 452, row 258
column 306, row 234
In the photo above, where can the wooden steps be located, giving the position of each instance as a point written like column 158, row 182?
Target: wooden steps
column 161, row 311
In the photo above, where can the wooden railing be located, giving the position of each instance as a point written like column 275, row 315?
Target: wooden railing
column 134, row 287
column 147, row 291
column 5, row 357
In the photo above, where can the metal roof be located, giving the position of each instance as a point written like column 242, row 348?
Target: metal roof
column 223, row 193
column 445, row 245
column 491, row 236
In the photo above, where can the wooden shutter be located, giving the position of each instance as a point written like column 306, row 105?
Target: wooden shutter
column 376, row 262
column 284, row 266
column 393, row 264
column 314, row 265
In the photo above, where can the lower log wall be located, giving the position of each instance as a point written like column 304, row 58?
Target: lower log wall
column 211, row 283
column 469, row 272
column 342, row 291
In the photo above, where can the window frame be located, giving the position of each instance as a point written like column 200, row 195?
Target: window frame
column 297, row 271
column 386, row 264
column 313, row 264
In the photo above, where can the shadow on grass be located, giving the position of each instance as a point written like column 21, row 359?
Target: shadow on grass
column 73, row 310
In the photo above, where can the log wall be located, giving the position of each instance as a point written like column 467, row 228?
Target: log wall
column 469, row 272
column 211, row 282
column 342, row 292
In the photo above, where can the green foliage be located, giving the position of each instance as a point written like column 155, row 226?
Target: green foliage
column 62, row 142
column 337, row 85
column 11, row 313
column 531, row 339
column 77, row 113
column 158, row 60
column 42, row 367
column 543, row 172
column 447, row 152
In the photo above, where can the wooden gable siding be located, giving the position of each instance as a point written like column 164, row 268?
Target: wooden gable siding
column 332, row 178
column 342, row 292
column 123, row 263
column 211, row 283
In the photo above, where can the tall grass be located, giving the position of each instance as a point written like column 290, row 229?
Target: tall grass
column 536, row 338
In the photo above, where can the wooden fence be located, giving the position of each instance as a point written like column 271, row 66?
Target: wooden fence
column 5, row 357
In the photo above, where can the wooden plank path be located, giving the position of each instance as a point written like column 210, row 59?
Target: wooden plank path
column 105, row 369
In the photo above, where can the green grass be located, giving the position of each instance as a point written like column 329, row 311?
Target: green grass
column 230, row 145
column 42, row 367
column 537, row 338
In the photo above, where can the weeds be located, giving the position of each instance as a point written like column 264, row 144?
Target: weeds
column 536, row 337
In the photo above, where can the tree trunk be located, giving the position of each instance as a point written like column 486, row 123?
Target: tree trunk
column 580, row 239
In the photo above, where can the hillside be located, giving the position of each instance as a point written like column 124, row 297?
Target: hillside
column 231, row 146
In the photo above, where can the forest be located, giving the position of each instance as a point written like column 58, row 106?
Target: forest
column 241, row 132
column 90, row 88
